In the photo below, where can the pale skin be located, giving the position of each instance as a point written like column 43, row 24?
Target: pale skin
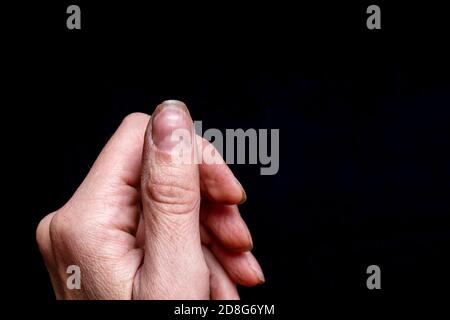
column 142, row 226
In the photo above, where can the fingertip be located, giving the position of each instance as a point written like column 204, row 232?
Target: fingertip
column 227, row 226
column 243, row 193
column 220, row 185
column 243, row 267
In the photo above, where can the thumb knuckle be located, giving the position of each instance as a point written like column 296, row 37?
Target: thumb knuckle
column 169, row 193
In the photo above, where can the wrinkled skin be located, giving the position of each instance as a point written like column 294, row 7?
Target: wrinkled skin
column 144, row 226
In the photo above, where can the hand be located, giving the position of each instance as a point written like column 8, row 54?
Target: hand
column 145, row 226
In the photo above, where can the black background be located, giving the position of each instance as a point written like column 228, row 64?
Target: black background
column 363, row 116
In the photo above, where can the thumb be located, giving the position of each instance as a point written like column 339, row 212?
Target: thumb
column 173, row 259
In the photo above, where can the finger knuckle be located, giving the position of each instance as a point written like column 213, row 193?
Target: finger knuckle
column 61, row 230
column 43, row 233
